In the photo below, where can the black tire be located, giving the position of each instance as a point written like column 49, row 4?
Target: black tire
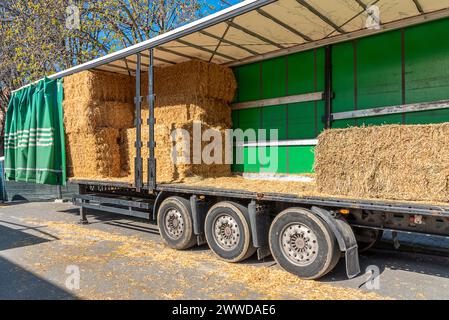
column 179, row 235
column 320, row 252
column 236, row 230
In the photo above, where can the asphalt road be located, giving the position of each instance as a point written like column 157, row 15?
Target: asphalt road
column 44, row 254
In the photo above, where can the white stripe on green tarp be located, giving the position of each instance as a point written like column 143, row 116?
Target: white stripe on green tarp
column 29, row 145
column 34, row 169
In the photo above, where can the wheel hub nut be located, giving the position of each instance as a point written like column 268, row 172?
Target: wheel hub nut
column 300, row 243
column 227, row 232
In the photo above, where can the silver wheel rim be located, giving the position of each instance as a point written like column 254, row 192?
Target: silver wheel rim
column 299, row 244
column 226, row 232
column 174, row 224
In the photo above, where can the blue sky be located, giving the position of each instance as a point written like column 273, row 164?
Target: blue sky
column 220, row 4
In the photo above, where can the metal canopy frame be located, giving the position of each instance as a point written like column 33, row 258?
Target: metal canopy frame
column 254, row 43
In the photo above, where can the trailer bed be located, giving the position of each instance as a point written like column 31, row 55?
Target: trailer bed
column 291, row 192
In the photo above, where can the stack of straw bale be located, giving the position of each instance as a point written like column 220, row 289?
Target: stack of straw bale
column 99, row 119
column 186, row 93
column 97, row 106
column 396, row 162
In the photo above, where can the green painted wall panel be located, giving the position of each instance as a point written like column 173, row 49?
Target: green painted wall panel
column 302, row 120
column 237, row 166
column 250, row 119
column 273, row 159
column 343, row 81
column 251, row 164
column 274, row 78
column 320, row 69
column 249, row 84
column 301, row 159
column 275, row 117
column 379, row 75
column 301, row 68
column 427, row 69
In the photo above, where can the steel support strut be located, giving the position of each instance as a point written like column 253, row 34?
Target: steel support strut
column 151, row 123
column 138, row 145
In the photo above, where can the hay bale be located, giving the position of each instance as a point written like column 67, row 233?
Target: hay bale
column 81, row 115
column 167, row 170
column 176, row 109
column 187, row 92
column 386, row 162
column 192, row 79
column 93, row 155
column 100, row 86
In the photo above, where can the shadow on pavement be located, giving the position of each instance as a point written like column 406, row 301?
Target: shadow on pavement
column 20, row 284
column 391, row 259
column 13, row 235
column 17, row 282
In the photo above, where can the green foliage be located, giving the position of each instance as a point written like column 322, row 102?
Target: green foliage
column 35, row 40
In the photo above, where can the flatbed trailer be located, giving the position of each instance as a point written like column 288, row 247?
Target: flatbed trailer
column 305, row 235
column 351, row 224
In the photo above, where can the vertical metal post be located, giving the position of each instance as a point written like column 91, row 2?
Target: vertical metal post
column 58, row 192
column 328, row 88
column 138, row 145
column 83, row 216
column 151, row 123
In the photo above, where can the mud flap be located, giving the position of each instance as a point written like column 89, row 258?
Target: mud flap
column 345, row 238
column 352, row 251
column 352, row 262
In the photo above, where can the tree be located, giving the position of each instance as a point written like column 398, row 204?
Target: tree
column 35, row 39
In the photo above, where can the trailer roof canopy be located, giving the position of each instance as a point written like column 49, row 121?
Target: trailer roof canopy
column 258, row 29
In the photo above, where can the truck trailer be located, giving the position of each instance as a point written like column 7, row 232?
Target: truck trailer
column 357, row 64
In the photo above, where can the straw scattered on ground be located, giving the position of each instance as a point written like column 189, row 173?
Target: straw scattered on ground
column 265, row 282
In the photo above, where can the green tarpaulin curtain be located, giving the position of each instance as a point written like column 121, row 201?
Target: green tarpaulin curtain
column 34, row 134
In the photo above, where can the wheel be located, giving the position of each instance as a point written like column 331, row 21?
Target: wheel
column 228, row 232
column 175, row 223
column 303, row 244
column 367, row 238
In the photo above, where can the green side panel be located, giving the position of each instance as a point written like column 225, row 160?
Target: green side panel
column 321, row 111
column 274, row 78
column 301, row 159
column 34, row 135
column 251, row 164
column 237, row 165
column 250, row 119
column 343, row 82
column 427, row 69
column 379, row 75
column 301, row 120
column 273, row 159
column 301, row 70
column 275, row 118
column 235, row 119
column 249, row 85
column 320, row 69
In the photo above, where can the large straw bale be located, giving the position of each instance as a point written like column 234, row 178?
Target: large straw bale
column 394, row 162
column 167, row 170
column 84, row 115
column 99, row 85
column 180, row 110
column 93, row 155
column 193, row 78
